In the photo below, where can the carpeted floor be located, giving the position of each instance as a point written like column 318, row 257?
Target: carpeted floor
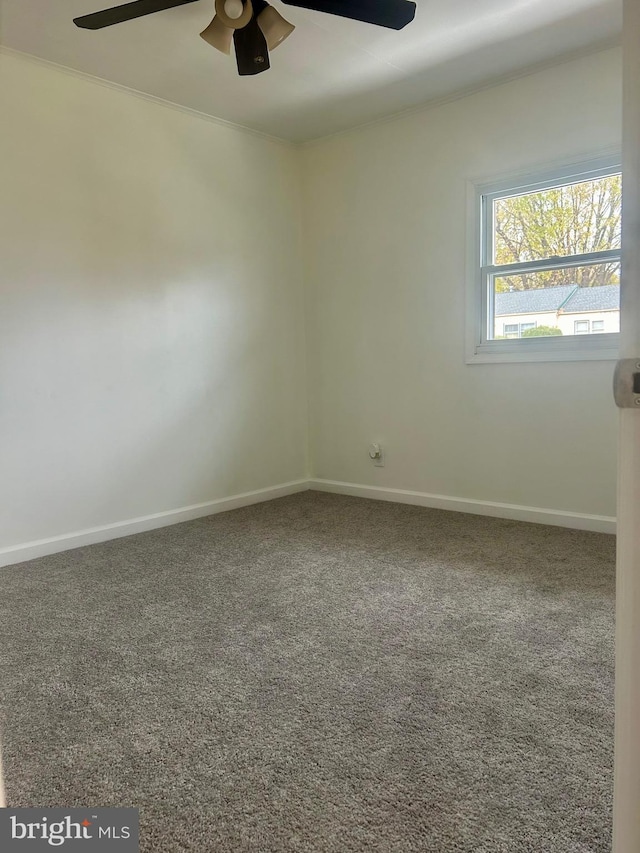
column 320, row 674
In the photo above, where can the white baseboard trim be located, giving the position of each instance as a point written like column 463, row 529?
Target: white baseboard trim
column 43, row 547
column 537, row 515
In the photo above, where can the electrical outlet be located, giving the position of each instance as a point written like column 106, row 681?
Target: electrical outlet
column 376, row 455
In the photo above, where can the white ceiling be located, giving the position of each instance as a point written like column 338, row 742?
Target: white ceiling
column 332, row 73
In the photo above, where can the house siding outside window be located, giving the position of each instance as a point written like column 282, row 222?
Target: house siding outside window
column 567, row 308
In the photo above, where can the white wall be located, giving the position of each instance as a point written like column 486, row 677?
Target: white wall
column 386, row 237
column 151, row 334
column 152, row 340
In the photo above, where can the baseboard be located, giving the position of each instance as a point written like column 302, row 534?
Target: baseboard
column 43, row 547
column 537, row 515
column 91, row 536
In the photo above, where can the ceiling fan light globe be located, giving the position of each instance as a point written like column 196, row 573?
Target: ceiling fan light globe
column 218, row 36
column 274, row 27
column 234, row 23
column 233, row 8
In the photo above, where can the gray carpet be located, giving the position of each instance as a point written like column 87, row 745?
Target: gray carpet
column 320, row 673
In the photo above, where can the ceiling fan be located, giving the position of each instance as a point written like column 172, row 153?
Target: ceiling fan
column 254, row 26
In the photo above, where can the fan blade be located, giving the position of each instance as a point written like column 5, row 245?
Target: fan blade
column 394, row 14
column 252, row 55
column 118, row 14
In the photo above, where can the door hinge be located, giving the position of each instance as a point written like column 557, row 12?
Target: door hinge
column 626, row 383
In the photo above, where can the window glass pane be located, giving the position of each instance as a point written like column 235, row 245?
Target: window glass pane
column 567, row 220
column 534, row 305
column 511, row 330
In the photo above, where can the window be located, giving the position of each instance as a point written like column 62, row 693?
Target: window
column 549, row 249
column 516, row 330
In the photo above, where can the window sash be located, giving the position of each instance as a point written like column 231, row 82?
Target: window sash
column 554, row 263
column 489, row 272
column 509, row 189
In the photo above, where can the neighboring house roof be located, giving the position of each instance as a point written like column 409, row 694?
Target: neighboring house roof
column 604, row 298
column 532, row 301
column 571, row 298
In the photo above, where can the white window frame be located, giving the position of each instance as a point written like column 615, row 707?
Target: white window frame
column 480, row 348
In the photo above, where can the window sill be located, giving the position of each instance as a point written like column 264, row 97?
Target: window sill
column 601, row 347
